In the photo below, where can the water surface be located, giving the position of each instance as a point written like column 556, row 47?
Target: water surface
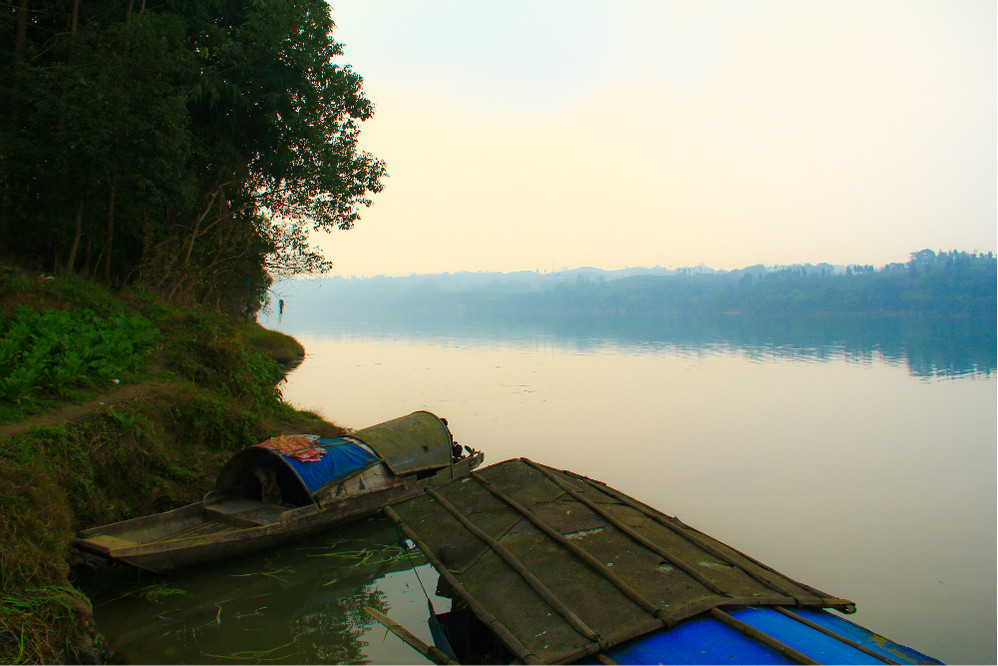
column 863, row 472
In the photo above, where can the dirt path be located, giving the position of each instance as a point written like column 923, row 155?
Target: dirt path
column 71, row 412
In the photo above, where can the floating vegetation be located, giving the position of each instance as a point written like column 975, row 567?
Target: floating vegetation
column 274, row 573
column 156, row 592
column 256, row 656
column 383, row 554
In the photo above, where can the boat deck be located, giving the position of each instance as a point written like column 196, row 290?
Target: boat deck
column 560, row 566
column 244, row 512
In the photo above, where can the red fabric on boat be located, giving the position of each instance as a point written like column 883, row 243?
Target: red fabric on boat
column 300, row 447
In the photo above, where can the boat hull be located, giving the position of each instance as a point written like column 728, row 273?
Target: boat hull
column 209, row 531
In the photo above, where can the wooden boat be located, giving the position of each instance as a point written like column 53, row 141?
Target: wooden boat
column 288, row 487
column 547, row 566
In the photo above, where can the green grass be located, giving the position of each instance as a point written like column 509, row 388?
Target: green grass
column 212, row 392
column 282, row 348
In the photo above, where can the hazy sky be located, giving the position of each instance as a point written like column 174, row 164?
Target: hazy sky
column 544, row 134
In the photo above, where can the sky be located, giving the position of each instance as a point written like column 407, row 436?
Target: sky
column 552, row 134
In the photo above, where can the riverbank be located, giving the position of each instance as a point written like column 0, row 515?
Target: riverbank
column 136, row 418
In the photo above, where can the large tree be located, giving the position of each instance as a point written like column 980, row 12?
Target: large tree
column 190, row 144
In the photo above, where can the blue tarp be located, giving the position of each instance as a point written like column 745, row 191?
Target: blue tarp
column 704, row 640
column 341, row 459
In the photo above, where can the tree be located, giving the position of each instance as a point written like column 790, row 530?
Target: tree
column 189, row 144
column 277, row 123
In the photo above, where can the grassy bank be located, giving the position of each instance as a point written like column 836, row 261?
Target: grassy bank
column 113, row 406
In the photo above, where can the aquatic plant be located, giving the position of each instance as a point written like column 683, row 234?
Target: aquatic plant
column 156, row 592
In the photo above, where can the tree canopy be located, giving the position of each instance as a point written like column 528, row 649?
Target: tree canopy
column 190, row 145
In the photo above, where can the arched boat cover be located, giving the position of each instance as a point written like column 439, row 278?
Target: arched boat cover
column 314, row 462
column 413, row 443
column 325, row 461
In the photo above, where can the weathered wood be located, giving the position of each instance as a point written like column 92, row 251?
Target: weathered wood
column 535, row 583
column 634, row 595
column 491, row 621
column 431, row 652
column 205, row 531
column 828, row 632
column 597, row 558
column 609, row 518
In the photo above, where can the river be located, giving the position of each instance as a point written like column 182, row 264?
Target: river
column 862, row 471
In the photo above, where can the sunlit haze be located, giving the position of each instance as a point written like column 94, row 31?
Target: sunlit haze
column 543, row 134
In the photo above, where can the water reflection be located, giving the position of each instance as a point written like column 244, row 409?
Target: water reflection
column 927, row 346
column 302, row 604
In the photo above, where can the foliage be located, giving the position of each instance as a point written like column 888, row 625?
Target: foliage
column 156, row 592
column 187, row 145
column 208, row 350
column 287, row 351
column 51, row 352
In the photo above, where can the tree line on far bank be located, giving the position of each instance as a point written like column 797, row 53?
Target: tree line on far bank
column 943, row 284
column 186, row 145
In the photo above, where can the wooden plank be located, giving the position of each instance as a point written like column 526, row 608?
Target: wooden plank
column 431, row 652
column 634, row 595
column 761, row 637
column 491, row 621
column 104, row 543
column 509, row 558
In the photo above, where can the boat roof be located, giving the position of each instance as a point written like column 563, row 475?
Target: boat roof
column 413, row 443
column 560, row 566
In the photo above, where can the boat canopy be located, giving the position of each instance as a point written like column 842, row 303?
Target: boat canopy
column 560, row 566
column 413, row 443
column 307, row 467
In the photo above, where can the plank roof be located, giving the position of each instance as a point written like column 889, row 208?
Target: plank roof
column 560, row 566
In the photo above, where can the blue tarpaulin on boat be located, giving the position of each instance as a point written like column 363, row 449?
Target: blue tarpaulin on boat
column 341, row 459
column 705, row 640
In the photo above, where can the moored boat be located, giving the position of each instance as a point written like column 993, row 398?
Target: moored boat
column 288, row 487
column 547, row 566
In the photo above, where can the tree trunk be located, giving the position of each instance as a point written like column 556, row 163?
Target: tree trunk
column 197, row 228
column 168, row 272
column 20, row 34
column 22, row 31
column 109, row 238
column 76, row 237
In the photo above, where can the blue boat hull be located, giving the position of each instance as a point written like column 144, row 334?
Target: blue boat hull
column 706, row 640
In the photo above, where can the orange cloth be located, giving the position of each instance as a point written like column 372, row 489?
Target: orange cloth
column 299, row 447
